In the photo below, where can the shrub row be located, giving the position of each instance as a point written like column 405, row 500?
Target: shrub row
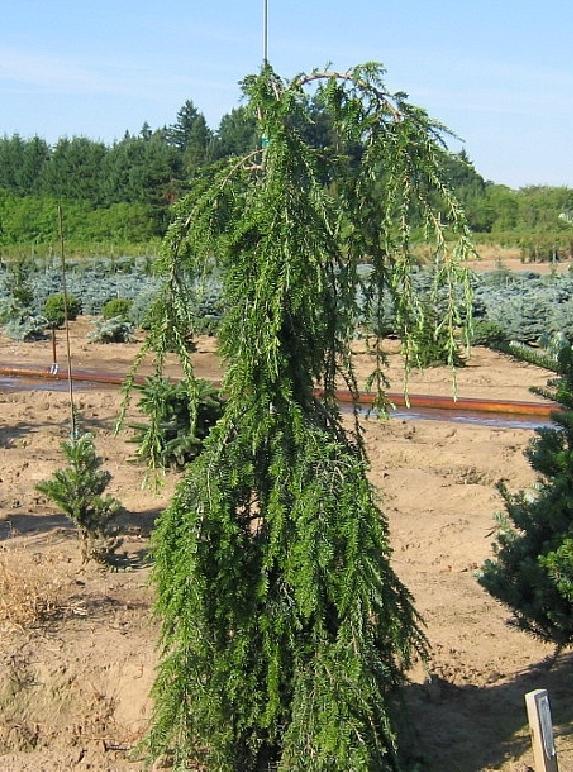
column 522, row 307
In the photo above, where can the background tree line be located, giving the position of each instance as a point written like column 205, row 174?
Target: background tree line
column 122, row 192
column 535, row 218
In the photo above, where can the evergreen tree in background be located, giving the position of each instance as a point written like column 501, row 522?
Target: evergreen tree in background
column 83, row 170
column 75, row 171
column 22, row 164
column 237, row 134
column 191, row 136
column 285, row 631
column 145, row 170
column 146, row 132
column 532, row 568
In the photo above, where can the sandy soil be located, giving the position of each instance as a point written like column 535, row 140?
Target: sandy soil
column 77, row 644
column 493, row 258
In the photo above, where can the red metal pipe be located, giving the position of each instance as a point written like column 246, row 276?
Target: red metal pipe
column 461, row 404
column 93, row 376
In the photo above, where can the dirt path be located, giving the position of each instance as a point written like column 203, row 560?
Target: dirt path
column 77, row 645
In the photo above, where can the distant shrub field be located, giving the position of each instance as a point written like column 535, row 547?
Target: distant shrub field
column 125, row 287
column 524, row 307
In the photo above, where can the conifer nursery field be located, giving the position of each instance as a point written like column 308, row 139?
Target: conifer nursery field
column 286, row 395
column 77, row 643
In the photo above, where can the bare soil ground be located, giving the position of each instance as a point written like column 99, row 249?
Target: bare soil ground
column 77, row 643
column 493, row 258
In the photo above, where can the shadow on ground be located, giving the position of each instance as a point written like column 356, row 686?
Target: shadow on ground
column 27, row 524
column 14, row 433
column 139, row 522
column 470, row 728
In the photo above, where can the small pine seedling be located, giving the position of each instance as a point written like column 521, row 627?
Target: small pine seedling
column 78, row 490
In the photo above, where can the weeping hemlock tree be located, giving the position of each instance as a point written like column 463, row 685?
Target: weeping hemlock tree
column 285, row 630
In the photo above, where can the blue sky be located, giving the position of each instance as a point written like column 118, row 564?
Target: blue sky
column 498, row 73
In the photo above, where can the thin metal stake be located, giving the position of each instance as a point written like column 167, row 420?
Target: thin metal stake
column 68, row 348
column 265, row 32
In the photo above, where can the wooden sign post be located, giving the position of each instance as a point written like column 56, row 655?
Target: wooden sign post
column 541, row 726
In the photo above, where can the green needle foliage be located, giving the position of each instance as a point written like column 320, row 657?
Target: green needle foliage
column 532, row 571
column 18, row 283
column 435, row 347
column 116, row 307
column 171, row 437
column 115, row 330
column 55, row 309
column 285, row 630
column 78, row 489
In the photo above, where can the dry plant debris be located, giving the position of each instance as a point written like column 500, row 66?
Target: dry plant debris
column 28, row 593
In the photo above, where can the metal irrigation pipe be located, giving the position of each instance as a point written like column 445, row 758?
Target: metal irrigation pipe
column 364, row 399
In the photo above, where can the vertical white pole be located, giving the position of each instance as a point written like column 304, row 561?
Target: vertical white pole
column 265, row 32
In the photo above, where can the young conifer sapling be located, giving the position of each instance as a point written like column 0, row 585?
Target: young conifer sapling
column 532, row 568
column 78, row 490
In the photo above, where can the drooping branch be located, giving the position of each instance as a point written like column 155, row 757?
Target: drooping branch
column 285, row 630
column 382, row 96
